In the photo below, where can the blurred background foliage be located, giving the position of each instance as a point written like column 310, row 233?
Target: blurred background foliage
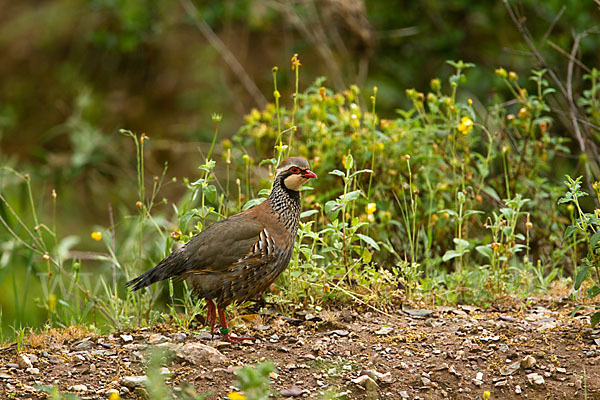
column 75, row 71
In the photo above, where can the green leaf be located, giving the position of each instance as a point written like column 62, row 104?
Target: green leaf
column 566, row 199
column 204, row 211
column 368, row 240
column 366, row 256
column 450, row 254
column 570, row 231
column 351, row 196
column 362, row 171
column 581, row 275
column 595, row 319
column 208, row 166
column 461, row 242
column 308, row 213
column 519, row 236
column 451, row 212
column 594, row 240
column 468, row 213
column 490, row 191
column 593, row 292
column 264, row 192
column 198, row 182
column 66, row 244
column 211, row 193
column 306, row 251
column 349, row 161
column 485, row 250
column 332, row 206
column 272, row 161
column 337, row 172
column 195, row 193
column 552, row 275
column 185, row 219
column 253, row 202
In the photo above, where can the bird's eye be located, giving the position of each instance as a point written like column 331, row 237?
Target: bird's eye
column 295, row 170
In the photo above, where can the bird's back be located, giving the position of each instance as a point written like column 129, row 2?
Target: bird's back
column 237, row 258
column 234, row 259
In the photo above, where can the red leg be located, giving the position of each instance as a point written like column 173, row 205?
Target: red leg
column 211, row 315
column 225, row 330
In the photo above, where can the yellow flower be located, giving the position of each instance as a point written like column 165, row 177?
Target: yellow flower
column 524, row 113
column 323, row 93
column 236, row 396
column 114, row 396
column 486, row 395
column 52, row 302
column 371, row 208
column 295, row 61
column 465, row 126
column 97, row 236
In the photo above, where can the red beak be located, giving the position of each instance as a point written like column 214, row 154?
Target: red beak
column 309, row 174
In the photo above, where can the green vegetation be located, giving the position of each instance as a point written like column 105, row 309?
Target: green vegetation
column 449, row 192
column 439, row 181
column 454, row 203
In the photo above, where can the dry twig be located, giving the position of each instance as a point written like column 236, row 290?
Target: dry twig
column 225, row 53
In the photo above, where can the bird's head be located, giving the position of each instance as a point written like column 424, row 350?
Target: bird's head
column 294, row 172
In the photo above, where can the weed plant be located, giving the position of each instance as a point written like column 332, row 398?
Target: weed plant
column 450, row 199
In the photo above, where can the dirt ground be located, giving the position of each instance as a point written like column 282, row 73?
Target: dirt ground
column 533, row 351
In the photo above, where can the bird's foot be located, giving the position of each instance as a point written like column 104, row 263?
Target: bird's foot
column 232, row 338
column 236, row 339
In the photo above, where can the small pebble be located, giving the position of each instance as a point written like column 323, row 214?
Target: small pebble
column 293, row 391
column 78, row 388
column 127, row 338
column 23, row 361
column 386, row 330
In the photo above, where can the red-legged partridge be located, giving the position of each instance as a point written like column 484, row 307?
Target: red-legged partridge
column 239, row 257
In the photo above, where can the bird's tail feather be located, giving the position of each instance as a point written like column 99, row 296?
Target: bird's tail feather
column 171, row 266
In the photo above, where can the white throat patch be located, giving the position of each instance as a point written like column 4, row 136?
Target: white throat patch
column 294, row 182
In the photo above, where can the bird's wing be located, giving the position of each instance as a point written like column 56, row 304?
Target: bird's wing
column 217, row 248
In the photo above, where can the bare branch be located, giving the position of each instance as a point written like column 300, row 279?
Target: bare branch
column 316, row 37
column 553, row 24
column 574, row 116
column 569, row 56
column 529, row 40
column 572, row 107
column 225, row 53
